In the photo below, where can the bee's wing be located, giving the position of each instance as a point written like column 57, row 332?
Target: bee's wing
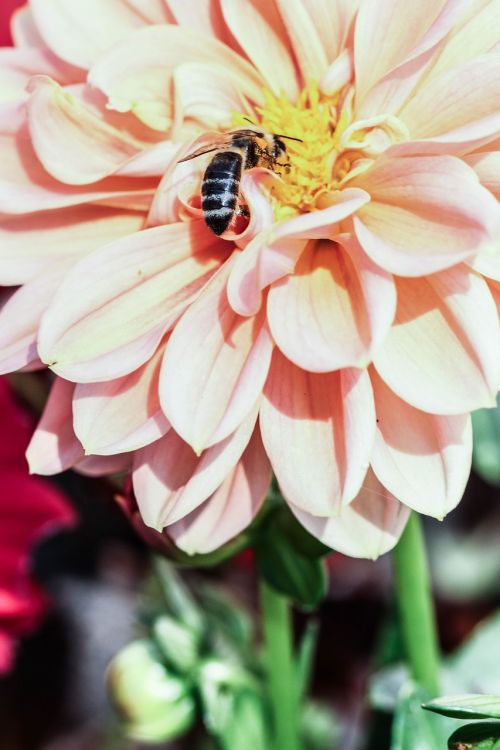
column 220, row 141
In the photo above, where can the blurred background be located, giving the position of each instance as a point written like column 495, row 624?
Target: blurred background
column 83, row 585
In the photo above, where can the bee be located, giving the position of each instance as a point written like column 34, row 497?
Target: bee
column 236, row 151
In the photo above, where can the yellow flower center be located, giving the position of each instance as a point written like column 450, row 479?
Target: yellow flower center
column 333, row 148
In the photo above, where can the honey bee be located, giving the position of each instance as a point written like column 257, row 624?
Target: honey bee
column 236, row 151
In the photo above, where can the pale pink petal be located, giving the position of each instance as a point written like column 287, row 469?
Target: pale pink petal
column 391, row 33
column 318, row 430
column 25, row 186
column 73, row 145
column 215, row 366
column 23, row 29
column 54, row 446
column 170, row 480
column 338, row 74
column 423, row 459
column 114, row 307
column 19, row 65
column 258, row 28
column 370, row 526
column 231, row 508
column 334, row 310
column 123, row 414
column 464, row 107
column 488, row 263
column 425, row 214
column 101, row 466
column 203, row 16
column 393, row 46
column 140, row 83
column 442, row 353
column 487, row 167
column 273, row 254
column 79, row 31
column 28, row 244
column 476, row 34
column 305, row 38
column 20, row 318
column 209, row 94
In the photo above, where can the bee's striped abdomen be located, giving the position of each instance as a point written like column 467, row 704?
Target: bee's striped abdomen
column 220, row 190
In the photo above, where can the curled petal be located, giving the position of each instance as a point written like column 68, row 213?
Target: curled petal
column 368, row 527
column 231, row 508
column 114, row 307
column 442, row 353
column 170, row 480
column 334, row 310
column 123, row 414
column 273, row 254
column 425, row 214
column 140, row 83
column 258, row 28
column 215, row 366
column 318, row 430
column 54, row 446
column 423, row 459
column 74, row 145
column 19, row 65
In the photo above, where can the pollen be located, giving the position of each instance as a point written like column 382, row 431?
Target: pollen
column 301, row 185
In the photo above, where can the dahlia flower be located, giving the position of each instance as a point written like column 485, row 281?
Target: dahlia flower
column 338, row 337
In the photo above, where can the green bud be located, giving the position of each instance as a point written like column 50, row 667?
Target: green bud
column 155, row 705
column 178, row 643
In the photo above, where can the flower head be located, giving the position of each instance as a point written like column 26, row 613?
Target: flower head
column 340, row 335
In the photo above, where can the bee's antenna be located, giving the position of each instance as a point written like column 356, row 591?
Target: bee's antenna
column 250, row 121
column 288, row 137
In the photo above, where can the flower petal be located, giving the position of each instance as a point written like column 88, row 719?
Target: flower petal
column 113, row 308
column 487, row 167
column 72, row 143
column 442, row 353
column 203, row 16
column 273, row 254
column 390, row 33
column 81, row 30
column 54, row 446
column 19, row 65
column 140, row 83
column 318, row 431
column 425, row 214
column 170, row 480
column 423, row 459
column 29, row 244
column 298, row 17
column 215, row 366
column 393, row 46
column 370, row 526
column 231, row 508
column 259, row 30
column 464, row 107
column 333, row 310
column 123, row 414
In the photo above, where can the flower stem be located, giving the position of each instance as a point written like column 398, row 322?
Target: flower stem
column 416, row 608
column 280, row 668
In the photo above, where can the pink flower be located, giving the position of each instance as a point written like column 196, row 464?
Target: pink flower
column 341, row 336
column 30, row 508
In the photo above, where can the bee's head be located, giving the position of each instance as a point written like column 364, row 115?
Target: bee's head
column 278, row 148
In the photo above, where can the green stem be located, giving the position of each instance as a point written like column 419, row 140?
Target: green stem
column 416, row 608
column 280, row 668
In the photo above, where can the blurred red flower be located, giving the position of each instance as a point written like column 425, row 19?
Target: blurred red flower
column 7, row 7
column 30, row 508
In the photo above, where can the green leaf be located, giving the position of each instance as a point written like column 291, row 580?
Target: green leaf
column 286, row 569
column 486, row 452
column 178, row 598
column 475, row 663
column 305, row 657
column 155, row 705
column 466, row 706
column 414, row 729
column 483, row 735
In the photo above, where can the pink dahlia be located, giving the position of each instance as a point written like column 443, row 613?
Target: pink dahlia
column 339, row 336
